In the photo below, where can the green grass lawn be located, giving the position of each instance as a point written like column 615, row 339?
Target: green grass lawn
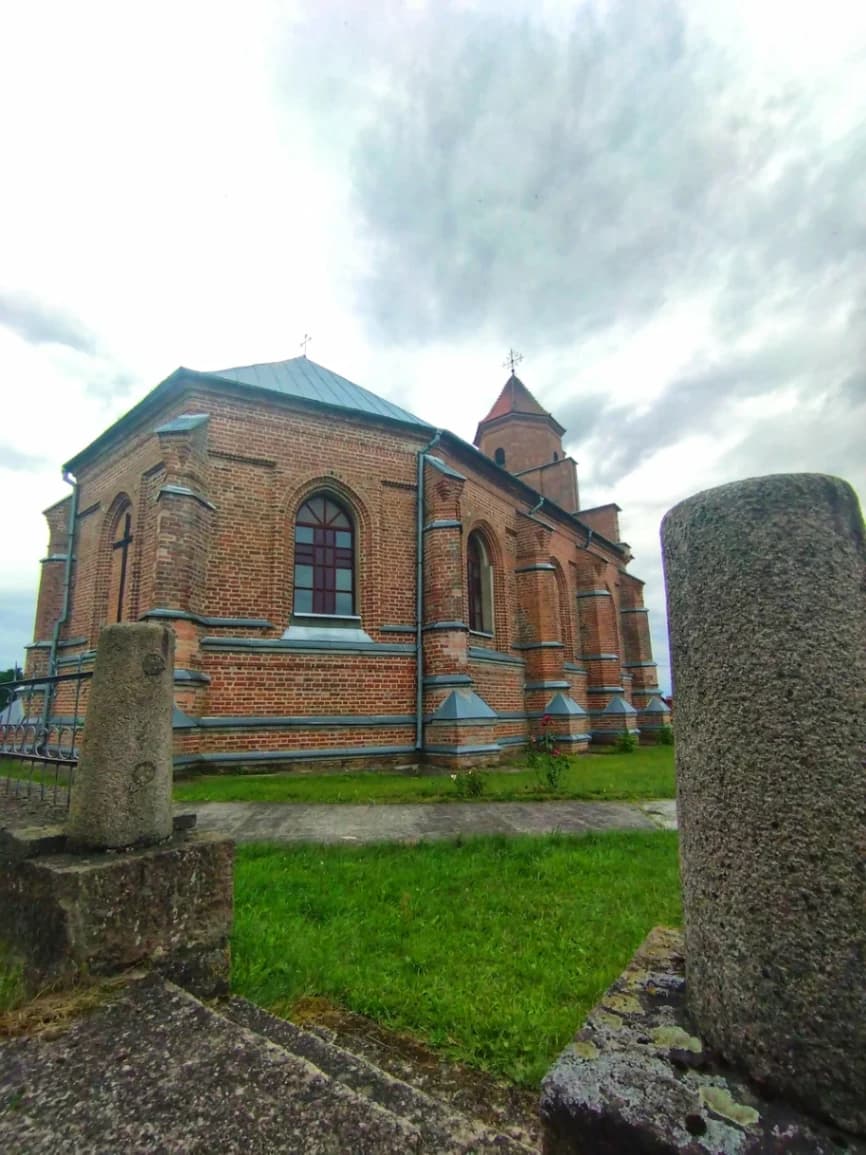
column 646, row 773
column 492, row 949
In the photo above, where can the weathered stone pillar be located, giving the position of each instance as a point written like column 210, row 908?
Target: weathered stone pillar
column 765, row 586
column 122, row 794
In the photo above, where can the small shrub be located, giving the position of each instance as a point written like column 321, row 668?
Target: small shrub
column 626, row 743
column 545, row 757
column 468, row 784
column 666, row 736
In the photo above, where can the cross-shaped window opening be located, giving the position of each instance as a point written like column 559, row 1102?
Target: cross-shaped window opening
column 120, row 565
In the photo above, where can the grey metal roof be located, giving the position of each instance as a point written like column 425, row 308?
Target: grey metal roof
column 301, row 377
column 183, row 424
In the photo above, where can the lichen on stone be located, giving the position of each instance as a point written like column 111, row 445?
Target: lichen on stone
column 622, row 1004
column 606, row 1019
column 718, row 1100
column 676, row 1037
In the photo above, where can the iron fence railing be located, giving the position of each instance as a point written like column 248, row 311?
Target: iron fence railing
column 41, row 722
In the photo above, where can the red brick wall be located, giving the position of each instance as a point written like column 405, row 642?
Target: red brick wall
column 528, row 441
column 257, row 461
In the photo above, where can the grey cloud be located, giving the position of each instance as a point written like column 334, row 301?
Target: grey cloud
column 43, row 324
column 17, row 459
column 557, row 187
column 17, row 610
column 830, row 441
column 703, row 400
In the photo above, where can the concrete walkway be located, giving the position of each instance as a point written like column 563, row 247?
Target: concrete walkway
column 299, row 822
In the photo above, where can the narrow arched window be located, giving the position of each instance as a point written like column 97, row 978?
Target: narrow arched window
column 479, row 574
column 499, row 456
column 121, row 565
column 324, row 558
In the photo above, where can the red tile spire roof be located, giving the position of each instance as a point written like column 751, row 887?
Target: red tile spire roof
column 514, row 398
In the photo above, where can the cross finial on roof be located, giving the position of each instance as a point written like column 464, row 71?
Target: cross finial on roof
column 307, row 339
column 514, row 358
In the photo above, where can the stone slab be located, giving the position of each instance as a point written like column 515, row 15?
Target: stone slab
column 156, row 1071
column 441, row 1127
column 168, row 907
column 301, row 822
column 31, row 842
column 38, row 841
column 638, row 1078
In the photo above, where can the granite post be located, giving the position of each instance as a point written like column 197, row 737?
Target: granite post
column 765, row 586
column 127, row 883
column 122, row 794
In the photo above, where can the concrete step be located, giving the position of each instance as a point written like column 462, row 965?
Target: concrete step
column 154, row 1069
column 442, row 1128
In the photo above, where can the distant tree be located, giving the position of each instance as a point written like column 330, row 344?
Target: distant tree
column 7, row 676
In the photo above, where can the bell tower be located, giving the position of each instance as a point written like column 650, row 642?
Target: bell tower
column 522, row 437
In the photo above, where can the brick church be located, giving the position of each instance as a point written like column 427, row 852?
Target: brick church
column 348, row 585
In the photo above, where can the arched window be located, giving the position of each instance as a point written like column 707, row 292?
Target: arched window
column 499, row 456
column 479, row 573
column 324, row 558
column 121, row 565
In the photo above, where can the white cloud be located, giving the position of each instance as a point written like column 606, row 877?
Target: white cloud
column 187, row 183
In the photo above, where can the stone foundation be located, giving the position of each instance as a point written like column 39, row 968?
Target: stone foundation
column 167, row 907
column 638, row 1078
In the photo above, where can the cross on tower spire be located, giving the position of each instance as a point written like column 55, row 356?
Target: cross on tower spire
column 513, row 358
column 307, row 339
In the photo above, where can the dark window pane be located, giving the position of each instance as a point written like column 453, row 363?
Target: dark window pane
column 304, row 576
column 478, row 581
column 324, row 558
column 316, row 506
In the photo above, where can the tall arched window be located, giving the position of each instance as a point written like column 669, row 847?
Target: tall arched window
column 121, row 565
column 324, row 558
column 499, row 456
column 479, row 574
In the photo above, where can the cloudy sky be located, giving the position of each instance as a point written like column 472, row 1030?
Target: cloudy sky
column 661, row 204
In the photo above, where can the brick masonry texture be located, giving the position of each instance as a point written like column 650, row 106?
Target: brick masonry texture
column 212, row 510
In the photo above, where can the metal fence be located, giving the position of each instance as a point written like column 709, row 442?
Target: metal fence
column 41, row 722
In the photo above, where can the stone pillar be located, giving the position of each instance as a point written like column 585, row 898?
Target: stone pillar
column 765, row 583
column 122, row 793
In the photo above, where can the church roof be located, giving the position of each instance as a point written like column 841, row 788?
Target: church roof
column 298, row 377
column 301, row 377
column 514, row 398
